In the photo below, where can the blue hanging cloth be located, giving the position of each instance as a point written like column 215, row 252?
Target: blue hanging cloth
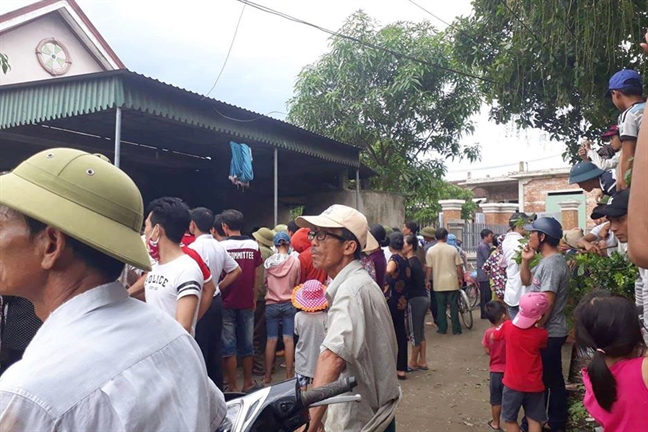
column 241, row 173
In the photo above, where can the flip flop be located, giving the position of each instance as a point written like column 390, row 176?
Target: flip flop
column 257, row 386
column 409, row 369
column 490, row 425
column 423, row 368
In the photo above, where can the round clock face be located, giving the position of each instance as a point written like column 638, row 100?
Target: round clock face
column 53, row 56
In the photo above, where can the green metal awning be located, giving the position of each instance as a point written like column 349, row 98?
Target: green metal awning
column 54, row 100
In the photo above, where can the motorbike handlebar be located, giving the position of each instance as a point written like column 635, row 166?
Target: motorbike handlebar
column 319, row 394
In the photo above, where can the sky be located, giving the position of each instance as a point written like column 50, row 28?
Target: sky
column 185, row 43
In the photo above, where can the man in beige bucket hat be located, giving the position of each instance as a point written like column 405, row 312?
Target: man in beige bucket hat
column 69, row 221
column 360, row 340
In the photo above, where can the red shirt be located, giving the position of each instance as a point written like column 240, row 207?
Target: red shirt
column 245, row 251
column 497, row 351
column 523, row 371
column 307, row 270
column 196, row 257
column 187, row 239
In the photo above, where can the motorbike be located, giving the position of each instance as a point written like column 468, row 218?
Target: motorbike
column 282, row 407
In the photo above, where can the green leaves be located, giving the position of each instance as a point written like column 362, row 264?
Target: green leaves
column 408, row 115
column 4, row 63
column 551, row 60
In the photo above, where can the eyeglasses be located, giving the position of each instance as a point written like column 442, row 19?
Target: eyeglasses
column 321, row 236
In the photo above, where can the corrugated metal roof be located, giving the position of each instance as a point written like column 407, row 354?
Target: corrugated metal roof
column 42, row 101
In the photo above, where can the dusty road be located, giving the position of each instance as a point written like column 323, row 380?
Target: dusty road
column 453, row 394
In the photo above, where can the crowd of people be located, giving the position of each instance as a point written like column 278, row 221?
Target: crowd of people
column 528, row 312
column 106, row 328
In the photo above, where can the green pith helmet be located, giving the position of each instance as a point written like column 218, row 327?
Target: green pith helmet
column 84, row 196
column 584, row 171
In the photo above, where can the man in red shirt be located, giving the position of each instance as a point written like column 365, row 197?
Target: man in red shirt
column 239, row 302
column 302, row 245
column 523, row 385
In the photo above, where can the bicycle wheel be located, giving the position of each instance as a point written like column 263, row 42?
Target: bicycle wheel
column 464, row 310
column 472, row 291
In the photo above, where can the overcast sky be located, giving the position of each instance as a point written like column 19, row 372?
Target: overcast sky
column 185, row 43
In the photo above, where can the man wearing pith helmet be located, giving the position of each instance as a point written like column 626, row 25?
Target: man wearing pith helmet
column 102, row 361
column 360, row 339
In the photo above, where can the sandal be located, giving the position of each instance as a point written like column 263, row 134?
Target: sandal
column 490, row 425
column 423, row 368
column 411, row 369
column 255, row 387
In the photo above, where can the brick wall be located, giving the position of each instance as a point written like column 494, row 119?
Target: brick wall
column 535, row 193
column 497, row 193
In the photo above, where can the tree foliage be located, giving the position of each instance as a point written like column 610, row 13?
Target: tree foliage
column 4, row 63
column 547, row 62
column 407, row 115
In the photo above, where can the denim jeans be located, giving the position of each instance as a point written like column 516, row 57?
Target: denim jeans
column 280, row 312
column 238, row 330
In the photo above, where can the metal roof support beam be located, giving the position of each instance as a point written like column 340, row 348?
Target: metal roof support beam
column 276, row 187
column 118, row 121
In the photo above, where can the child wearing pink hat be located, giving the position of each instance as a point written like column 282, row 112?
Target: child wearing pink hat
column 523, row 386
column 310, row 327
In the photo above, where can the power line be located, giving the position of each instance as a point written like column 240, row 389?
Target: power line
column 229, row 51
column 503, row 2
column 505, row 165
column 262, row 116
column 430, row 13
column 361, row 42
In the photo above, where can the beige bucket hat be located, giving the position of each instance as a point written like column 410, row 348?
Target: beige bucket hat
column 265, row 236
column 84, row 196
column 341, row 216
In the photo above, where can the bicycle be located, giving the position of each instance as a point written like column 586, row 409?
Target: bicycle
column 471, row 287
column 465, row 311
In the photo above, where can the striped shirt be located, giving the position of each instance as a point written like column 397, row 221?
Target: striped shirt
column 168, row 283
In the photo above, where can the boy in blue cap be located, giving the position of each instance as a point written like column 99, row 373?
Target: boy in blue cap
column 625, row 90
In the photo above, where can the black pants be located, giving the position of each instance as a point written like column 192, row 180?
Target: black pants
column 485, row 295
column 208, row 337
column 9, row 356
column 555, row 394
column 434, row 308
column 552, row 377
column 398, row 318
column 260, row 337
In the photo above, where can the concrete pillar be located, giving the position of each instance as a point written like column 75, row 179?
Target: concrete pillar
column 451, row 209
column 506, row 211
column 491, row 212
column 569, row 214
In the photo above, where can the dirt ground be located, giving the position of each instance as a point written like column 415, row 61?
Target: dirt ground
column 453, row 394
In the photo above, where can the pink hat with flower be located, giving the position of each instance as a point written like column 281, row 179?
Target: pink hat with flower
column 309, row 296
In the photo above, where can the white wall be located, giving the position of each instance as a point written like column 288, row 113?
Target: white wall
column 19, row 44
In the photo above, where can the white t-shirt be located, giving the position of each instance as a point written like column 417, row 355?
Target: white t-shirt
column 514, row 288
column 167, row 283
column 215, row 256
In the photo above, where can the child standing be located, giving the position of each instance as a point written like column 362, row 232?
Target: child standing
column 523, row 386
column 310, row 326
column 281, row 275
column 496, row 313
column 616, row 380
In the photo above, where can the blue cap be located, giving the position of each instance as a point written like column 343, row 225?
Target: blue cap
column 584, row 171
column 625, row 79
column 281, row 237
column 452, row 240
